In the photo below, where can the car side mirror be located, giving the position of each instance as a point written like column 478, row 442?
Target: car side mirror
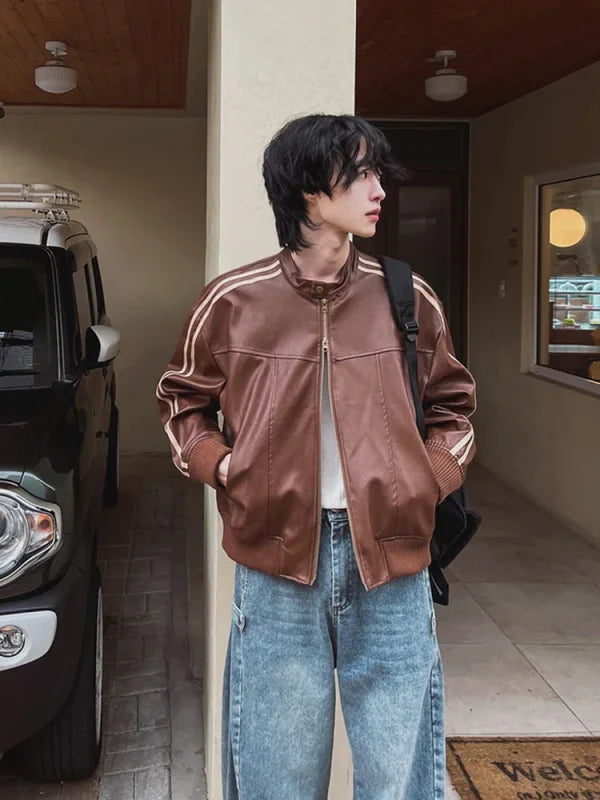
column 102, row 344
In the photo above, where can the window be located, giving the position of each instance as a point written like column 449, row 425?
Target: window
column 568, row 324
column 99, row 290
column 85, row 308
column 91, row 294
column 28, row 352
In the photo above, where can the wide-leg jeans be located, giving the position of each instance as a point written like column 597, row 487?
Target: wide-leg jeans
column 285, row 642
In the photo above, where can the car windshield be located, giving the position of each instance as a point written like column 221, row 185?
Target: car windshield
column 27, row 327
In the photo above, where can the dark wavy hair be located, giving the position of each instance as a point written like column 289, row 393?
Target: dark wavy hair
column 303, row 157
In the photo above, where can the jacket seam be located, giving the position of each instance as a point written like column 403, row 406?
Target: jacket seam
column 279, row 553
column 425, row 302
column 392, row 464
column 270, row 437
column 401, row 536
column 208, row 347
column 381, row 350
column 222, row 350
column 344, row 463
column 433, row 352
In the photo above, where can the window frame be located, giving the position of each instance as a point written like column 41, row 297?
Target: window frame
column 531, row 288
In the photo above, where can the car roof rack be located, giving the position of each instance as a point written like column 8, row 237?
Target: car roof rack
column 44, row 198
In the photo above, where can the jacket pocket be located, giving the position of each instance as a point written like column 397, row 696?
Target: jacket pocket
column 245, row 500
column 247, row 487
column 417, row 489
column 432, row 471
column 368, row 445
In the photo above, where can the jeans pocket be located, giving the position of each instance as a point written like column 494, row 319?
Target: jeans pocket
column 429, row 597
column 240, row 587
column 238, row 617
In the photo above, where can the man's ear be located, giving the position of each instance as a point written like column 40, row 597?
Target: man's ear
column 310, row 198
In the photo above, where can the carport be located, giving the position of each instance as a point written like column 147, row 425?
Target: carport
column 162, row 137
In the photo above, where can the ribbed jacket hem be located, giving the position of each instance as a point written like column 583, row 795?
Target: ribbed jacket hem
column 204, row 459
column 446, row 469
column 383, row 560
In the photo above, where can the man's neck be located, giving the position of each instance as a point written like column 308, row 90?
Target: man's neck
column 323, row 261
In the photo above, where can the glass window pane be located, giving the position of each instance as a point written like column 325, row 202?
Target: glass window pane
column 91, row 295
column 99, row 289
column 27, row 334
column 84, row 312
column 569, row 277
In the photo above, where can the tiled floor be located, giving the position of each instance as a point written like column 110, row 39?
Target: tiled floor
column 520, row 640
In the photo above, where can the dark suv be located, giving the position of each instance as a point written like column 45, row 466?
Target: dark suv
column 58, row 464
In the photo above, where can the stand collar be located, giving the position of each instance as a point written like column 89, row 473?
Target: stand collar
column 319, row 290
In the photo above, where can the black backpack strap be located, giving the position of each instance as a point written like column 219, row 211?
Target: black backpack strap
column 398, row 276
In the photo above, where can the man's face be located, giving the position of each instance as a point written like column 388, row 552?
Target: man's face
column 352, row 210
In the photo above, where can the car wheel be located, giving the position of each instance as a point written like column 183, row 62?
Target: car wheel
column 111, row 482
column 68, row 748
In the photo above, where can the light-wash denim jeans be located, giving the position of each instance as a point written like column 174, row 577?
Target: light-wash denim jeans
column 286, row 639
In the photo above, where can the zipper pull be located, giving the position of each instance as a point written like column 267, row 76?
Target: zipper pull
column 324, row 307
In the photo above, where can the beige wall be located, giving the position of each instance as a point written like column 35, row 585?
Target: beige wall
column 541, row 437
column 142, row 180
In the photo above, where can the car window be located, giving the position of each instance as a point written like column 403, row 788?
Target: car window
column 99, row 289
column 27, row 321
column 85, row 310
column 91, row 293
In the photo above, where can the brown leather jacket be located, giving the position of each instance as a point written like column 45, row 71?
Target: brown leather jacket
column 252, row 346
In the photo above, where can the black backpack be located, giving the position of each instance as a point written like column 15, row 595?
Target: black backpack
column 455, row 522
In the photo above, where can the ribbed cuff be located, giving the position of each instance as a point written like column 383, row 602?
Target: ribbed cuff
column 204, row 459
column 446, row 469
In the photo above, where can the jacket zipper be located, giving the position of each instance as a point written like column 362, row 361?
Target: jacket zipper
column 326, row 348
column 322, row 349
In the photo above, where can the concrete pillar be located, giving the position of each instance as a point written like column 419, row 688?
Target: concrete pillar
column 268, row 61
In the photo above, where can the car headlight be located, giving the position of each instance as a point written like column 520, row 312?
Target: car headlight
column 29, row 532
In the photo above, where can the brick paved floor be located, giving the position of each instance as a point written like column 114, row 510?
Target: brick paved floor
column 142, row 559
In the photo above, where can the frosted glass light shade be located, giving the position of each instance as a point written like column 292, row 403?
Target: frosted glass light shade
column 55, row 79
column 567, row 227
column 446, row 87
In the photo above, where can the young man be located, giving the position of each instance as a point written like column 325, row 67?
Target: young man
column 326, row 490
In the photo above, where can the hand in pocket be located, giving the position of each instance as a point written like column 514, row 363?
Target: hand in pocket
column 223, row 469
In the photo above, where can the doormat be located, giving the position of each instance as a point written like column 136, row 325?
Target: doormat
column 519, row 768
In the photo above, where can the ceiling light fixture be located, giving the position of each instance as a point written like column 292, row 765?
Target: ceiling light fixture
column 55, row 76
column 445, row 85
column 567, row 227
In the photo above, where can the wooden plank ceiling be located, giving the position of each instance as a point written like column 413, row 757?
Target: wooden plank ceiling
column 506, row 48
column 127, row 53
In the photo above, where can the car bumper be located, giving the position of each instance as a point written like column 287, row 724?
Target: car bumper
column 35, row 683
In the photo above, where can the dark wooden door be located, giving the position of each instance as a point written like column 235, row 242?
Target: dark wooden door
column 424, row 219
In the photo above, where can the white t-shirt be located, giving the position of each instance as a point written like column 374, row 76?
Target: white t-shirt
column 332, row 482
